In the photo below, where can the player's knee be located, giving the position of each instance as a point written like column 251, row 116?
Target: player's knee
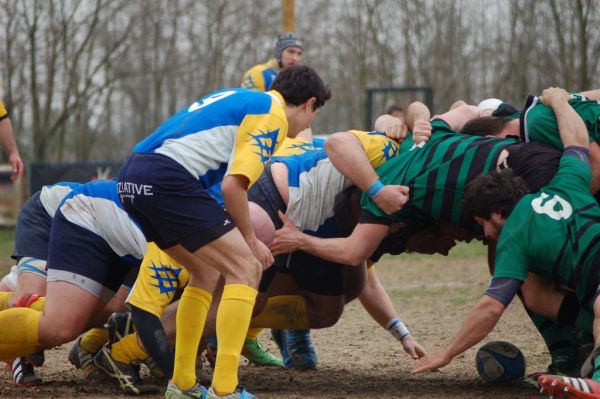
column 57, row 333
column 324, row 316
column 246, row 270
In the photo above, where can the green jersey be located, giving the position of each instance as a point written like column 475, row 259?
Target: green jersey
column 538, row 122
column 436, row 173
column 555, row 233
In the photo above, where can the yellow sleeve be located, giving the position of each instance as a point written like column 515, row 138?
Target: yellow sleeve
column 378, row 147
column 253, row 79
column 258, row 137
column 3, row 111
column 294, row 146
column 159, row 278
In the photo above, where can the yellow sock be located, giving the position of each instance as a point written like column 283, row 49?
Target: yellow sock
column 38, row 304
column 191, row 315
column 18, row 332
column 128, row 349
column 283, row 312
column 233, row 318
column 93, row 339
column 4, row 297
column 253, row 333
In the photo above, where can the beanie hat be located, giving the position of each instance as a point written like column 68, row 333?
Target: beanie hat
column 284, row 41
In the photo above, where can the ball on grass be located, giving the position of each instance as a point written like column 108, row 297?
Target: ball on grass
column 499, row 362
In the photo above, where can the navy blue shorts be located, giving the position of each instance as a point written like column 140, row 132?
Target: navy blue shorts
column 310, row 273
column 169, row 203
column 33, row 230
column 80, row 257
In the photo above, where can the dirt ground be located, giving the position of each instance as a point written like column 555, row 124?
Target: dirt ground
column 357, row 358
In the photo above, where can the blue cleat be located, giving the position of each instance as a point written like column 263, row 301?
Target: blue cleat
column 296, row 349
column 239, row 393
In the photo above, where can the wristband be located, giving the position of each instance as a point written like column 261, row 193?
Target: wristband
column 398, row 329
column 375, row 189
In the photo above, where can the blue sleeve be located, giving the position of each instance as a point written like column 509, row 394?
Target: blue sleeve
column 503, row 289
column 579, row 152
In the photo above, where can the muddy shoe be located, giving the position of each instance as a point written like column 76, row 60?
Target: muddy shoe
column 23, row 373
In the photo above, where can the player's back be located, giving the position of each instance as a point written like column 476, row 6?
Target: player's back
column 97, row 207
column 556, row 230
column 437, row 172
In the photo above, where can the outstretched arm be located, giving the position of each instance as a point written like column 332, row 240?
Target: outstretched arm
column 477, row 326
column 351, row 250
column 378, row 304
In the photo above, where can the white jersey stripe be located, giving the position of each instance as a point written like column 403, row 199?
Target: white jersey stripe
column 203, row 151
column 311, row 204
column 104, row 218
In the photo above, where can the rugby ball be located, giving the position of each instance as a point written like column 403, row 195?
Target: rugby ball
column 499, row 362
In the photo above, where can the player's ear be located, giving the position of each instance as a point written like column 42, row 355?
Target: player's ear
column 310, row 103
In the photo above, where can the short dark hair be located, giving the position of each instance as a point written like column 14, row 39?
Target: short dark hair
column 298, row 83
column 394, row 108
column 497, row 191
column 485, row 125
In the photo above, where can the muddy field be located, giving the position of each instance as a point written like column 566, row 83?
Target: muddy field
column 357, row 358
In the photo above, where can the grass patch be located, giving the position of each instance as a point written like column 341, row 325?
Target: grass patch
column 462, row 250
column 7, row 240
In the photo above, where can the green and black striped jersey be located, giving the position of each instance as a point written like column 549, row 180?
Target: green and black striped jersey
column 437, row 172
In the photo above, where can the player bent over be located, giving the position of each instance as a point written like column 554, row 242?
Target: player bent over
column 93, row 245
column 528, row 228
column 28, row 276
column 166, row 183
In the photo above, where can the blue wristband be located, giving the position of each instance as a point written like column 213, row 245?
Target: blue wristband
column 375, row 189
column 398, row 329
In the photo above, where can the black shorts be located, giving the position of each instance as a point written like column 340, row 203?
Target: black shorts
column 534, row 162
column 170, row 205
column 33, row 230
column 310, row 273
column 80, row 257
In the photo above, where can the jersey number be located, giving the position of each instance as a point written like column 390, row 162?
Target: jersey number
column 209, row 100
column 545, row 206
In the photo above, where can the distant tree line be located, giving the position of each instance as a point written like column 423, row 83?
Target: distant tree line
column 86, row 79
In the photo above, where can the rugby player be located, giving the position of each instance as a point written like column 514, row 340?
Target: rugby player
column 219, row 143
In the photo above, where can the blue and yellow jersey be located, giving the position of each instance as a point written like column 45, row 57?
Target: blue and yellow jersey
column 314, row 182
column 157, row 282
column 96, row 207
column 298, row 145
column 231, row 131
column 260, row 76
column 3, row 111
column 377, row 146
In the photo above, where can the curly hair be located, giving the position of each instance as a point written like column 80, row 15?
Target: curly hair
column 497, row 191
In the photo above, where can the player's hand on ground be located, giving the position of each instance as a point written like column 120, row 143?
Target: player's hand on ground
column 396, row 131
column 412, row 347
column 431, row 362
column 287, row 238
column 392, row 198
column 421, row 131
column 261, row 252
column 554, row 95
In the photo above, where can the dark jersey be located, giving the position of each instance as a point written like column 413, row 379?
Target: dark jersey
column 538, row 122
column 437, row 172
column 555, row 233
